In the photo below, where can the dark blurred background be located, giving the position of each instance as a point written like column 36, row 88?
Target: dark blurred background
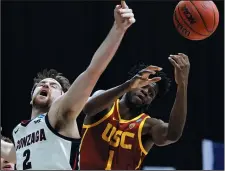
column 65, row 35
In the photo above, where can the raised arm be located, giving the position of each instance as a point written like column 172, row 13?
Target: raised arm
column 167, row 133
column 8, row 152
column 72, row 102
column 102, row 100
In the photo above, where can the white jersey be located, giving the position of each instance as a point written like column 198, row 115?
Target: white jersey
column 40, row 147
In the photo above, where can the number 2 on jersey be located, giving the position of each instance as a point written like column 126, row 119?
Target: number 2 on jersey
column 109, row 163
column 26, row 164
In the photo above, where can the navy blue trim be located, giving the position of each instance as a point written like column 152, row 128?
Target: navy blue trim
column 74, row 156
column 56, row 133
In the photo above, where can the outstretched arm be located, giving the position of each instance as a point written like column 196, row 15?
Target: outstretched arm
column 167, row 133
column 8, row 151
column 72, row 102
column 102, row 100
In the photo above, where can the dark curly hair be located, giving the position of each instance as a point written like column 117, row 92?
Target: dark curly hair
column 163, row 85
column 63, row 81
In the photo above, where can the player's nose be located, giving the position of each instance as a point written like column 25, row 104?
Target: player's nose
column 5, row 161
column 144, row 91
column 46, row 85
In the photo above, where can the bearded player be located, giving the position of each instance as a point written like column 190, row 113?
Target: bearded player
column 118, row 134
column 48, row 141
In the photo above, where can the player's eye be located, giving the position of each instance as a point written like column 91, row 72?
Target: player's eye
column 54, row 86
column 40, row 84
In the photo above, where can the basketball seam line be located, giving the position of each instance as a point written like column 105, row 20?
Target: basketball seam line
column 187, row 24
column 201, row 17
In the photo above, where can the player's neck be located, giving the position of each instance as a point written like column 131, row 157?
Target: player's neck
column 125, row 111
column 37, row 111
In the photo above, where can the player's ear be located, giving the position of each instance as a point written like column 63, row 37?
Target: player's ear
column 31, row 102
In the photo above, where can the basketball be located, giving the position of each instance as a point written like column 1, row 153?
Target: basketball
column 196, row 20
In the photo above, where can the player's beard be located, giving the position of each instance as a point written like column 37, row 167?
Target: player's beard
column 135, row 109
column 42, row 104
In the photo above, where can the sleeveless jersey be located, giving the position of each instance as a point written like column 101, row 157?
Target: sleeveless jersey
column 113, row 143
column 40, row 147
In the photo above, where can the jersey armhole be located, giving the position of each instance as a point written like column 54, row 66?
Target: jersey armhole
column 104, row 117
column 54, row 131
column 139, row 135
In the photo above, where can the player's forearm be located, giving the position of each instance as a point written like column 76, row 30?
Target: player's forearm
column 104, row 100
column 8, row 152
column 106, row 51
column 76, row 97
column 178, row 114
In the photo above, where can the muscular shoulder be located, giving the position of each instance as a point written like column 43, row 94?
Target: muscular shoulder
column 149, row 123
column 92, row 119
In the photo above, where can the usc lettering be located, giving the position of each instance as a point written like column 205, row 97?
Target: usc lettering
column 116, row 137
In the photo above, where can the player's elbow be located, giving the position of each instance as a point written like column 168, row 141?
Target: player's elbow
column 166, row 140
column 174, row 136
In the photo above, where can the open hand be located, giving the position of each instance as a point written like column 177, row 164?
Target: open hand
column 142, row 78
column 182, row 66
column 124, row 16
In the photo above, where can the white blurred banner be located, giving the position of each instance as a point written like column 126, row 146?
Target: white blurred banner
column 158, row 168
column 212, row 155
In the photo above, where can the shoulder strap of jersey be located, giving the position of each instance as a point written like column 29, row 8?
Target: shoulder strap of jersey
column 107, row 115
column 142, row 122
column 117, row 113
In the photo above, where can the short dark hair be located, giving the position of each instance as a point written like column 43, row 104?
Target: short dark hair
column 6, row 139
column 164, row 84
column 52, row 73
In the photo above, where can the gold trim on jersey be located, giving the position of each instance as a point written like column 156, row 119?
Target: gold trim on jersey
column 123, row 120
column 139, row 163
column 83, row 138
column 139, row 135
column 101, row 120
column 139, row 129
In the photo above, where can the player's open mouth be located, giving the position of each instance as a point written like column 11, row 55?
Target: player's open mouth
column 44, row 93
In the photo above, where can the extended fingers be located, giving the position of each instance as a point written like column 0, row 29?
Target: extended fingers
column 126, row 10
column 154, row 68
column 179, row 61
column 185, row 57
column 126, row 13
column 146, row 72
column 154, row 79
column 173, row 62
column 123, row 4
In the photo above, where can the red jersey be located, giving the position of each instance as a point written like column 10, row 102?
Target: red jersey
column 113, row 143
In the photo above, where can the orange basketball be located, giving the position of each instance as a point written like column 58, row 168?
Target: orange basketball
column 196, row 20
